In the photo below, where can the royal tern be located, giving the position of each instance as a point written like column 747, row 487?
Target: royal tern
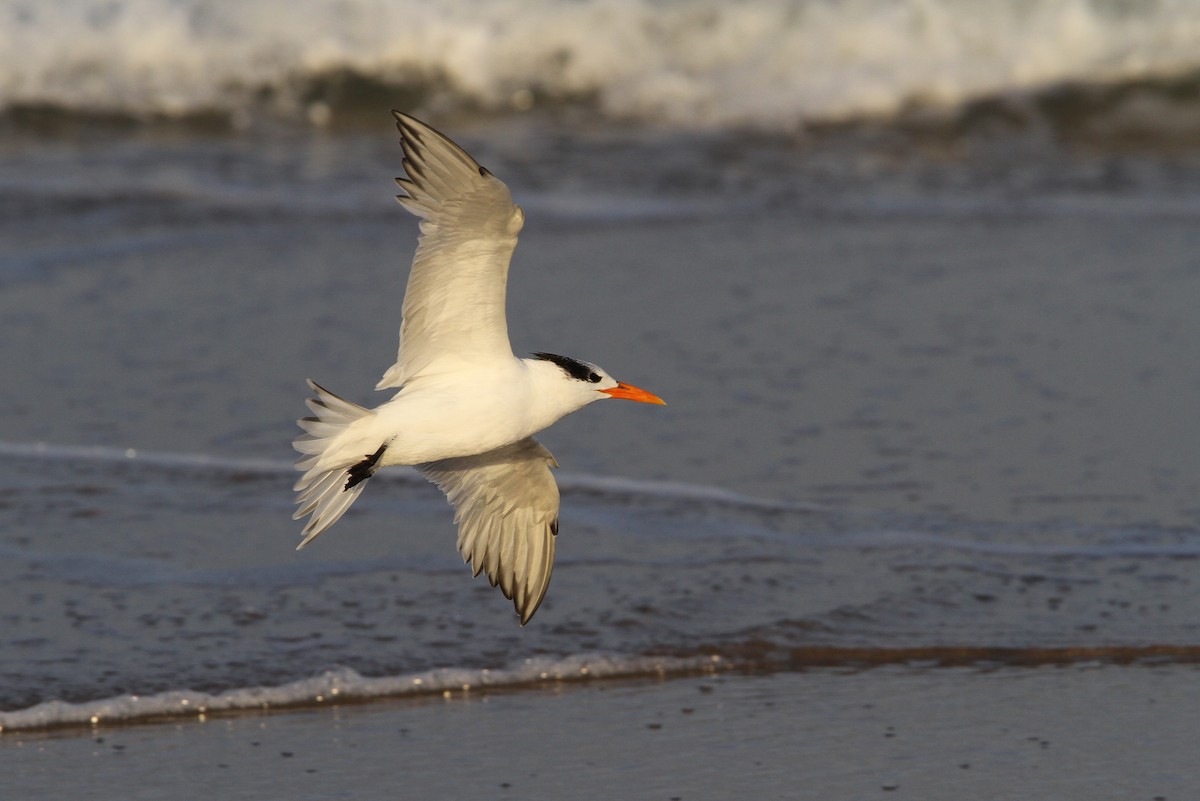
column 467, row 408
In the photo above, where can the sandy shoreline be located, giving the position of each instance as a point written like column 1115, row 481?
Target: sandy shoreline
column 1083, row 732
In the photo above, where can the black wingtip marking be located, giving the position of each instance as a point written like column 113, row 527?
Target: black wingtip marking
column 554, row 527
column 364, row 469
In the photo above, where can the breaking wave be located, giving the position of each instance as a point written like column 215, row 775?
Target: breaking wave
column 762, row 64
column 345, row 685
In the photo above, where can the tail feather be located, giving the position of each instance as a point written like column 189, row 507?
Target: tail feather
column 328, row 487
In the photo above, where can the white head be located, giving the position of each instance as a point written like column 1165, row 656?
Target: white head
column 585, row 382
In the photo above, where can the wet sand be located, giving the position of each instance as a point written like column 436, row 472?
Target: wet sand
column 1077, row 733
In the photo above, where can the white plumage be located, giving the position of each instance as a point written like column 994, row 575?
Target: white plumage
column 466, row 408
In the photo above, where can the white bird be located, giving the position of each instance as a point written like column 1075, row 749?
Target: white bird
column 467, row 408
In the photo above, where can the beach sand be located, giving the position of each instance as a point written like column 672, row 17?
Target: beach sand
column 1078, row 732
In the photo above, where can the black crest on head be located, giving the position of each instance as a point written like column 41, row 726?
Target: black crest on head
column 576, row 369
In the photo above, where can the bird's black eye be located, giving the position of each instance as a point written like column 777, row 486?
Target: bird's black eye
column 594, row 378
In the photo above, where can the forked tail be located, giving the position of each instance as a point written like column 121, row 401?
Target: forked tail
column 334, row 470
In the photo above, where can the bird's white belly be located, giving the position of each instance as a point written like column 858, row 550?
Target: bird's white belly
column 425, row 426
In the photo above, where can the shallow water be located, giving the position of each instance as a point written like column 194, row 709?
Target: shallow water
column 1025, row 362
column 964, row 429
column 152, row 574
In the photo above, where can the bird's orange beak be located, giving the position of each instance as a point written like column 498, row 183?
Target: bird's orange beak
column 630, row 392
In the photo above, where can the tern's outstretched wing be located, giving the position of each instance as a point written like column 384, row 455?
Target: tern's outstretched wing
column 506, row 506
column 454, row 305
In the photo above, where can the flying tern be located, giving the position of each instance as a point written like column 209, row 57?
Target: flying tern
column 466, row 408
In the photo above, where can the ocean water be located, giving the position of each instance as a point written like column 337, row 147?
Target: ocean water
column 917, row 280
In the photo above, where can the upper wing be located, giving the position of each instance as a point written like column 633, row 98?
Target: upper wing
column 454, row 304
column 506, row 506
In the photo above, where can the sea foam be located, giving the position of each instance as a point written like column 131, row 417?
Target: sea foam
column 769, row 64
column 344, row 685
